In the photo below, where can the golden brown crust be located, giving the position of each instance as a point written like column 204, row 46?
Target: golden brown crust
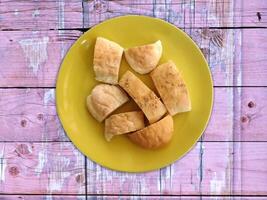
column 171, row 87
column 145, row 98
column 122, row 123
column 107, row 59
column 144, row 59
column 155, row 135
column 104, row 99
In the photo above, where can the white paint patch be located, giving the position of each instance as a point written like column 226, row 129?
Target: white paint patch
column 58, row 173
column 35, row 51
column 49, row 95
column 16, row 12
column 217, row 184
column 42, row 159
column 35, row 13
column 2, row 165
column 61, row 17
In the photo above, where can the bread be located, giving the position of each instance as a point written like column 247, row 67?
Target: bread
column 107, row 59
column 144, row 59
column 104, row 99
column 122, row 123
column 171, row 87
column 155, row 135
column 145, row 98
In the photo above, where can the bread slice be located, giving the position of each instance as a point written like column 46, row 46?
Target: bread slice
column 104, row 99
column 122, row 123
column 144, row 59
column 155, row 135
column 107, row 59
column 172, row 88
column 145, row 98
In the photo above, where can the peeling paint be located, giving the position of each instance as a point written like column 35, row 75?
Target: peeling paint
column 35, row 51
column 58, row 173
column 49, row 95
column 217, row 184
column 42, row 159
column 16, row 12
column 3, row 165
column 36, row 13
column 61, row 17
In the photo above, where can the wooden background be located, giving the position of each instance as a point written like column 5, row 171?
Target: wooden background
column 37, row 160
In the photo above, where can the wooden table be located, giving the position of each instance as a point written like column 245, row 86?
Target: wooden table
column 37, row 160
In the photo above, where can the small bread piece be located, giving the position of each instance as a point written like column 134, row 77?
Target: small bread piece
column 144, row 59
column 104, row 99
column 171, row 88
column 145, row 98
column 155, row 135
column 122, row 123
column 107, row 59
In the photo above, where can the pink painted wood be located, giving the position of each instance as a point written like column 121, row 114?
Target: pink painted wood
column 116, row 197
column 29, row 115
column 184, row 14
column 40, row 15
column 230, row 160
column 202, row 171
column 38, row 56
column 23, row 111
column 41, row 168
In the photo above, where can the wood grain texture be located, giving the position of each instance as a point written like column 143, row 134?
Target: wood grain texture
column 32, row 59
column 39, row 54
column 250, row 13
column 208, row 170
column 30, row 115
column 184, row 14
column 47, row 197
column 128, row 197
column 253, row 63
column 77, row 14
column 250, row 174
column 41, row 168
column 187, row 176
column 40, row 15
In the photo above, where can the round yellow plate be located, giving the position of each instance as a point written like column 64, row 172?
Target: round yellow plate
column 76, row 80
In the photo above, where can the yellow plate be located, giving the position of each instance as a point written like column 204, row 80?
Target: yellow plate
column 76, row 79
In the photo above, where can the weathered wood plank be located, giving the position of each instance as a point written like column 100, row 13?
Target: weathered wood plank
column 70, row 14
column 208, row 170
column 114, row 197
column 253, row 63
column 185, row 14
column 250, row 13
column 44, row 197
column 180, row 13
column 253, row 115
column 251, row 175
column 39, row 54
column 30, row 115
column 32, row 59
column 41, row 168
column 201, row 171
column 40, row 15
